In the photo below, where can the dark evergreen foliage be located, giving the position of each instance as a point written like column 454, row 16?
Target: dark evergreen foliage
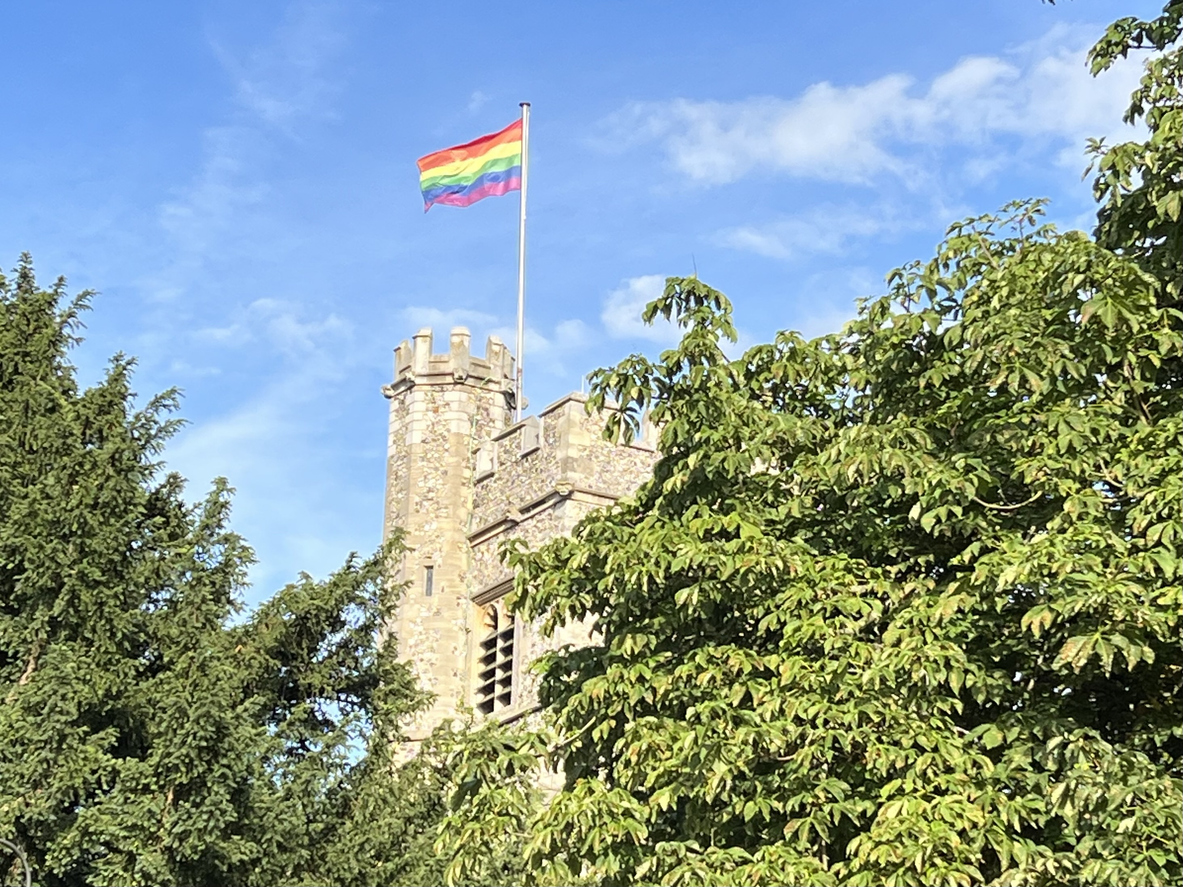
column 148, row 733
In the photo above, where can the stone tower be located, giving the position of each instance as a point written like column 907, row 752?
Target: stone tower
column 462, row 478
column 443, row 408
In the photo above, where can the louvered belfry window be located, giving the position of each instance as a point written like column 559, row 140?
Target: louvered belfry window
column 494, row 690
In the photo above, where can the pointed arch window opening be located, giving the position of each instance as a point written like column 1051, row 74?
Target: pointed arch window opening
column 495, row 669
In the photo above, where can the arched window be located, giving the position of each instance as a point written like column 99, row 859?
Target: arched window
column 494, row 683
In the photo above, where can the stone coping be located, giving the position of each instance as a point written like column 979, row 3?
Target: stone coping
column 525, row 420
column 515, row 516
column 574, row 397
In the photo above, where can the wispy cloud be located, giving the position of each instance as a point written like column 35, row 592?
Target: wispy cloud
column 278, row 86
column 198, row 215
column 442, row 320
column 261, row 445
column 547, row 351
column 551, row 352
column 286, row 79
column 855, row 133
column 827, row 300
column 826, row 230
column 275, row 430
column 477, row 101
column 279, row 324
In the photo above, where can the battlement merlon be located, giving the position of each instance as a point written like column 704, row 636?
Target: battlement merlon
column 415, row 364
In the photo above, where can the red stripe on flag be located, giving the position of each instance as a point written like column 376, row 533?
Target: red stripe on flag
column 475, row 148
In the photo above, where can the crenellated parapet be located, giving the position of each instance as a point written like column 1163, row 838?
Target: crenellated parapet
column 415, row 363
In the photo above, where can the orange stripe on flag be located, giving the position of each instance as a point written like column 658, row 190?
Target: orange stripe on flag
column 470, row 150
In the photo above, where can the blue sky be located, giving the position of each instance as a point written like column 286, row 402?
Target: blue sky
column 238, row 182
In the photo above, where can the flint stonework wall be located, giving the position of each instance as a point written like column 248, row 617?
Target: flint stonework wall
column 544, row 493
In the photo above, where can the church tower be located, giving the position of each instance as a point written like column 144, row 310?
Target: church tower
column 462, row 479
column 443, row 410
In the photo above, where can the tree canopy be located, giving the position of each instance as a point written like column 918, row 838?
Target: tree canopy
column 900, row 604
column 150, row 732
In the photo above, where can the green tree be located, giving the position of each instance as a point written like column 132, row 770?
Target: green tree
column 901, row 604
column 149, row 734
column 493, row 782
column 1140, row 184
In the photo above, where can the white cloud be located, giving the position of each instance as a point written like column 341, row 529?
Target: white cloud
column 548, row 352
column 621, row 314
column 476, row 101
column 828, row 132
column 825, row 230
column 1042, row 91
column 571, row 332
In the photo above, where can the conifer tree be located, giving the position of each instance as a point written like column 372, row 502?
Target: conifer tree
column 148, row 733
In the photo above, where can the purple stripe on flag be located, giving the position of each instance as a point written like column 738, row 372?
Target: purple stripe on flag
column 491, row 184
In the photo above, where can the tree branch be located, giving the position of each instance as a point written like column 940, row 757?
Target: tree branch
column 30, row 667
column 995, row 507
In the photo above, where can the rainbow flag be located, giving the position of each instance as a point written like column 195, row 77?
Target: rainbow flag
column 485, row 167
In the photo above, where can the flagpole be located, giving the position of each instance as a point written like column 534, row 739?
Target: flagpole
column 522, row 260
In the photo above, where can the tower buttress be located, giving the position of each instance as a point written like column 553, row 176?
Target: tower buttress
column 443, row 409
